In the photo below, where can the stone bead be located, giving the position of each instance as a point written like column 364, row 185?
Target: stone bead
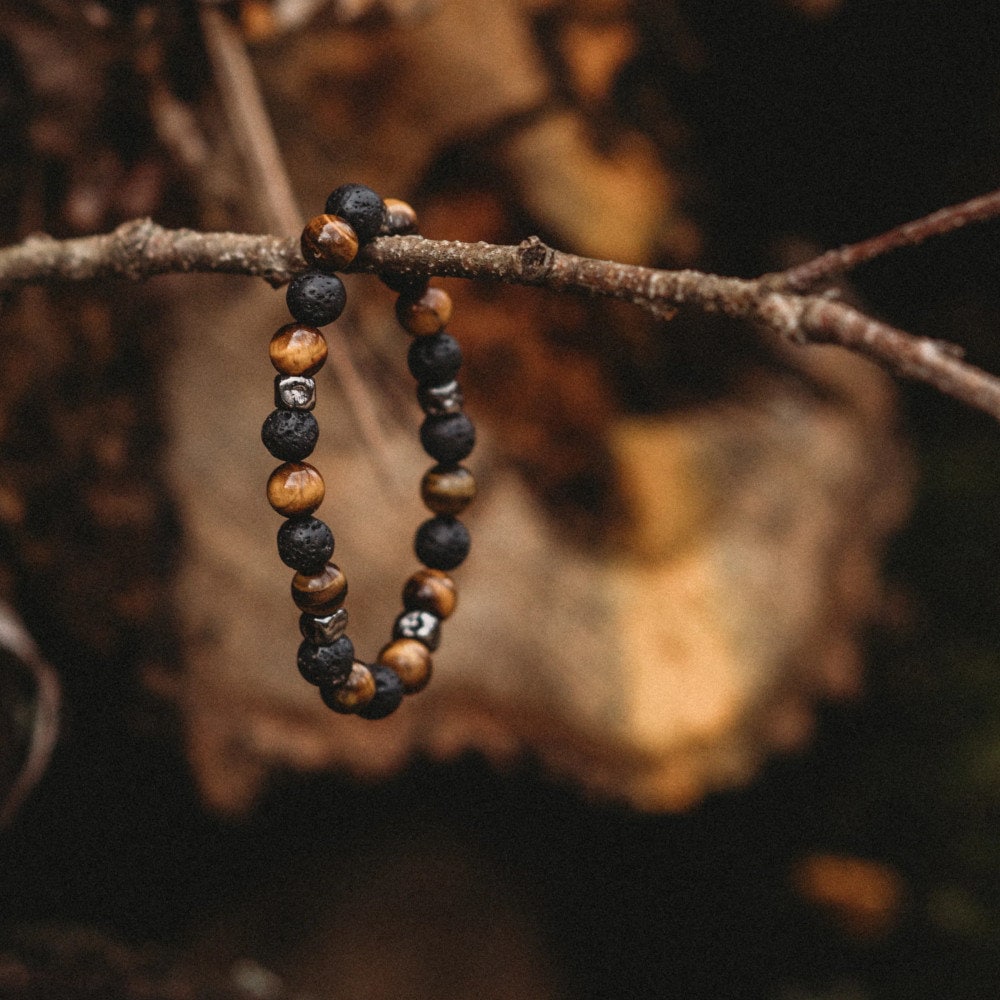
column 294, row 392
column 290, row 435
column 430, row 590
column 295, row 488
column 388, row 694
column 356, row 691
column 305, row 544
column 329, row 242
column 425, row 315
column 328, row 665
column 321, row 631
column 438, row 400
column 442, row 543
column 410, row 660
column 434, row 359
column 320, row 594
column 423, row 626
column 448, row 490
column 316, row 298
column 400, row 218
column 449, row 438
column 360, row 206
column 410, row 285
column 298, row 350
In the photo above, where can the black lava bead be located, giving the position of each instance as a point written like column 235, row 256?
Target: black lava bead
column 434, row 359
column 315, row 298
column 388, row 694
column 326, row 666
column 360, row 206
column 305, row 544
column 442, row 543
column 290, row 435
column 448, row 438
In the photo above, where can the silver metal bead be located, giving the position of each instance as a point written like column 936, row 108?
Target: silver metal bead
column 294, row 392
column 419, row 625
column 323, row 631
column 437, row 400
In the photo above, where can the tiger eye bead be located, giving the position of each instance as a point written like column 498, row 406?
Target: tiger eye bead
column 400, row 218
column 411, row 661
column 329, row 242
column 354, row 693
column 448, row 490
column 295, row 488
column 320, row 594
column 430, row 590
column 298, row 350
column 426, row 315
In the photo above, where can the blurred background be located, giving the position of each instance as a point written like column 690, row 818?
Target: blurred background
column 738, row 734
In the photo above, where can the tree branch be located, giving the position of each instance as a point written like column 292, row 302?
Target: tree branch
column 142, row 249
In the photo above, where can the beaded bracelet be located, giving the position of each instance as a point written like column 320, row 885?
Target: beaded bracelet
column 354, row 215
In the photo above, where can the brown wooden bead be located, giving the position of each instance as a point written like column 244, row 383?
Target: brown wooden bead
column 400, row 218
column 430, row 590
column 448, row 490
column 298, row 350
column 355, row 692
column 295, row 488
column 411, row 660
column 329, row 242
column 320, row 594
column 425, row 315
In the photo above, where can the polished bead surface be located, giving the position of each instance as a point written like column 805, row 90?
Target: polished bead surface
column 320, row 594
column 305, row 544
column 442, row 543
column 426, row 314
column 449, row 438
column 316, row 298
column 298, row 350
column 438, row 400
column 294, row 392
column 430, row 590
column 360, row 206
column 388, row 694
column 410, row 660
column 447, row 489
column 423, row 626
column 357, row 690
column 295, row 488
column 400, row 218
column 325, row 629
column 327, row 665
column 290, row 435
column 329, row 242
column 434, row 359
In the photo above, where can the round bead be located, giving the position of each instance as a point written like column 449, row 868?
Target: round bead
column 320, row 594
column 405, row 284
column 423, row 626
column 442, row 543
column 316, row 298
column 430, row 590
column 435, row 359
column 360, row 206
column 295, row 488
column 327, row 665
column 400, row 218
column 297, row 350
column 426, row 314
column 357, row 690
column 448, row 490
column 388, row 694
column 410, row 660
column 448, row 439
column 329, row 243
column 322, row 631
column 290, row 435
column 305, row 544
